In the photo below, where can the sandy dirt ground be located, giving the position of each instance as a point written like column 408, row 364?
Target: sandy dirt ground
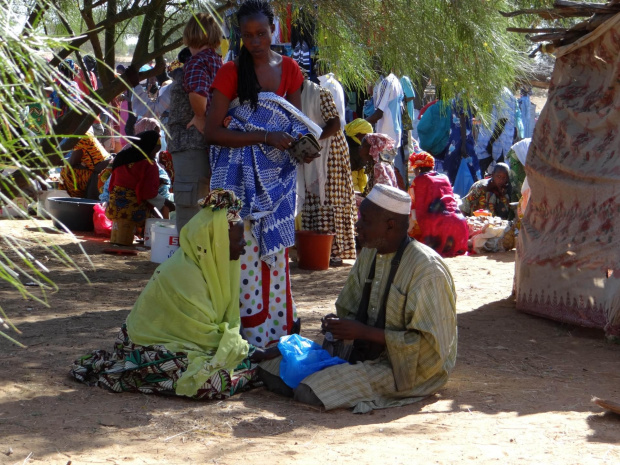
column 520, row 393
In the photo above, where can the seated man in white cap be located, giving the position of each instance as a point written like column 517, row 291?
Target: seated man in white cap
column 398, row 306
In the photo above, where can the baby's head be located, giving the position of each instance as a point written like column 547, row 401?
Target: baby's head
column 202, row 30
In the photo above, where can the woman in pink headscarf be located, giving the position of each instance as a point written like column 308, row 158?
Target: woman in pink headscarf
column 378, row 152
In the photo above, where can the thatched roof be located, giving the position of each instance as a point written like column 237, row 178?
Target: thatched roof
column 598, row 13
column 549, row 38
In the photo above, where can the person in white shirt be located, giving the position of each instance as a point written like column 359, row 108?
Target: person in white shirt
column 388, row 99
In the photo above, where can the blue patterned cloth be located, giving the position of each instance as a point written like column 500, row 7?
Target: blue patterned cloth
column 263, row 177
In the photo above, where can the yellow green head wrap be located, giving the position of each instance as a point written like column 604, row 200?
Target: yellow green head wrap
column 358, row 126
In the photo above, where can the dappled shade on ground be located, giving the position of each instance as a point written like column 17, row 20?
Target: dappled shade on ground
column 520, row 392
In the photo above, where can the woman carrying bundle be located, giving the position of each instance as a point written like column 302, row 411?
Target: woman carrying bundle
column 254, row 118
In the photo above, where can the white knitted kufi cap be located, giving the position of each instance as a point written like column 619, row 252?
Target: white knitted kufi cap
column 390, row 198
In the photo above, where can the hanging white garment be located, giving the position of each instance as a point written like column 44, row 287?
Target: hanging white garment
column 521, row 149
column 315, row 172
column 330, row 82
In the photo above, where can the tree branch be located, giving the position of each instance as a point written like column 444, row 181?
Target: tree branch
column 151, row 56
column 170, row 32
column 563, row 36
column 77, row 42
column 87, row 15
column 35, row 16
column 107, row 73
column 158, row 41
column 142, row 46
column 527, row 30
column 566, row 9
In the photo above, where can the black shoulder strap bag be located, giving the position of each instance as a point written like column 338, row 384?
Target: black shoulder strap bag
column 366, row 350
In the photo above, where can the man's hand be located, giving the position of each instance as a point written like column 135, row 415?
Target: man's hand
column 346, row 329
column 324, row 321
column 376, row 116
column 171, row 206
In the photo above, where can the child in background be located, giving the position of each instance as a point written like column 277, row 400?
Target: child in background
column 202, row 35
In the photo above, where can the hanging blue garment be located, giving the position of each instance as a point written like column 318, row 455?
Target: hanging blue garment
column 369, row 107
column 519, row 123
column 454, row 154
column 463, row 179
column 434, row 128
column 409, row 92
column 526, row 115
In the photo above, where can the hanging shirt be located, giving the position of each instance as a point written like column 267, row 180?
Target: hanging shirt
column 388, row 97
column 505, row 140
column 408, row 92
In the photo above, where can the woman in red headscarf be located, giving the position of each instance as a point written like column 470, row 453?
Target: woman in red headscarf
column 436, row 220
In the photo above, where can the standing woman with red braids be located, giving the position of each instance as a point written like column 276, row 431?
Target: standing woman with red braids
column 253, row 119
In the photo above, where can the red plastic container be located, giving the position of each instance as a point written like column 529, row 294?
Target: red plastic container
column 313, row 250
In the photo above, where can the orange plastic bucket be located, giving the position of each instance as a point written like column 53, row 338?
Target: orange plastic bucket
column 313, row 250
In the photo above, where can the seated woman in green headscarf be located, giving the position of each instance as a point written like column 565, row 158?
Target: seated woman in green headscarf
column 182, row 335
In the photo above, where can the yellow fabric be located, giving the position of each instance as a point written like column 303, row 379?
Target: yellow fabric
column 360, row 180
column 92, row 152
column 191, row 304
column 224, row 47
column 358, row 126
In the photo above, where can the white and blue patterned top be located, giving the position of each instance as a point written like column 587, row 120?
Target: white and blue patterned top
column 505, row 109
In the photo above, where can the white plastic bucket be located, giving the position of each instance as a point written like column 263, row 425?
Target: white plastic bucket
column 43, row 204
column 148, row 235
column 164, row 241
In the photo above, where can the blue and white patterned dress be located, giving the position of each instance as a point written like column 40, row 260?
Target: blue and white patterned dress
column 265, row 179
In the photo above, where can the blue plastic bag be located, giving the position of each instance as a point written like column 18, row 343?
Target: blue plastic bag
column 464, row 180
column 301, row 357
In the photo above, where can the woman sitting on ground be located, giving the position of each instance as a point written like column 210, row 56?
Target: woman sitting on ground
column 134, row 187
column 182, row 335
column 378, row 152
column 86, row 161
column 492, row 194
column 435, row 217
